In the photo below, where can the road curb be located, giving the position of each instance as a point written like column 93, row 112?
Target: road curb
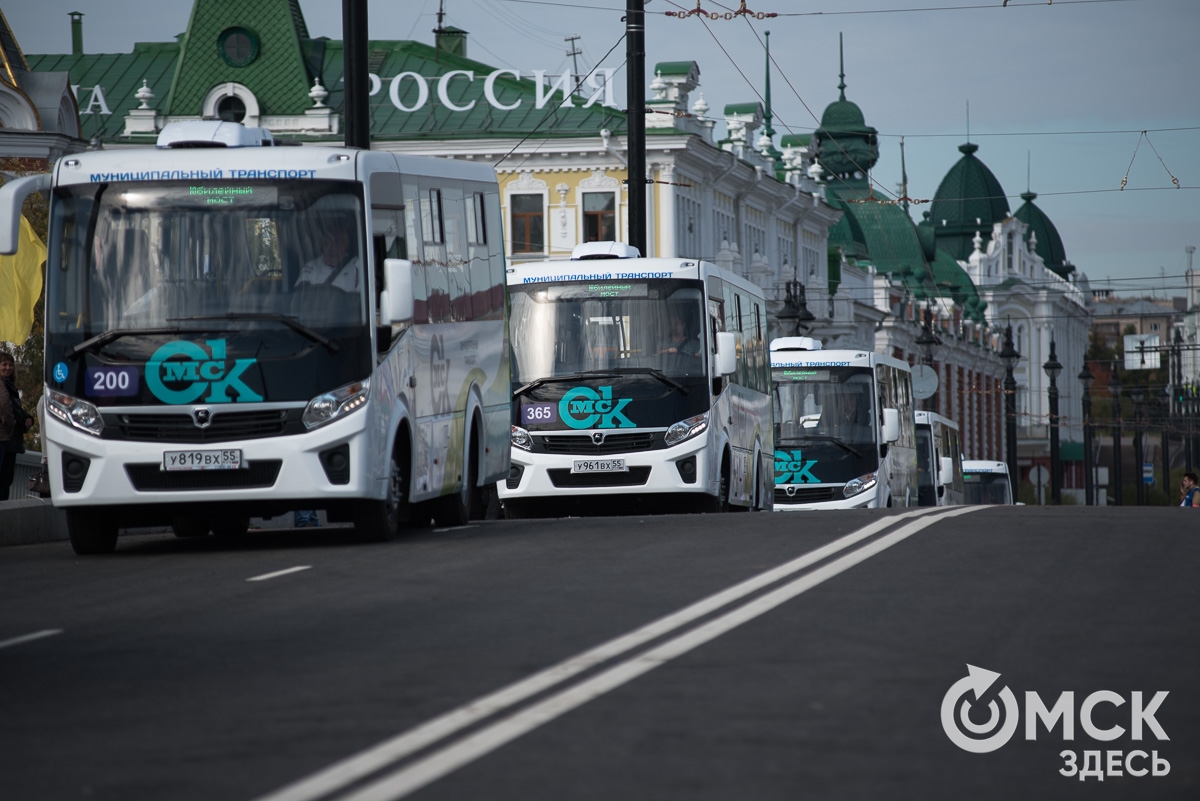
column 30, row 521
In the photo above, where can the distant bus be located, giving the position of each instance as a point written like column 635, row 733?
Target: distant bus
column 236, row 329
column 986, row 482
column 844, row 428
column 637, row 384
column 939, row 461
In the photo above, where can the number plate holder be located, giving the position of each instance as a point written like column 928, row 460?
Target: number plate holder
column 599, row 466
column 224, row 459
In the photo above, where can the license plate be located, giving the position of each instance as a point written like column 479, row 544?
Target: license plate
column 599, row 466
column 228, row 459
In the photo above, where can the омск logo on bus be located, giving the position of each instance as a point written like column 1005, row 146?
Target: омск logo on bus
column 583, row 407
column 201, row 370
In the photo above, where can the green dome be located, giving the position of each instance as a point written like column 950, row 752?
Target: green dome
column 844, row 116
column 969, row 199
column 1049, row 243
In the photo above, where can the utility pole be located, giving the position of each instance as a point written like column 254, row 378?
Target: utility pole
column 574, row 53
column 635, row 114
column 356, row 83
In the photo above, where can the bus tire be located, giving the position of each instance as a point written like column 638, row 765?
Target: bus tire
column 466, row 504
column 92, row 531
column 185, row 526
column 720, row 504
column 379, row 521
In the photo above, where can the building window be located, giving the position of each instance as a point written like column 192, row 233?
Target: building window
column 237, row 46
column 231, row 109
column 599, row 216
column 528, row 224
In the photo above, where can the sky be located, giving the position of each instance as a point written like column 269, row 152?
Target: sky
column 1071, row 99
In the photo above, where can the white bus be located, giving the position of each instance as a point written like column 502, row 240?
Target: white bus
column 637, row 383
column 939, row 461
column 236, row 329
column 986, row 482
column 844, row 434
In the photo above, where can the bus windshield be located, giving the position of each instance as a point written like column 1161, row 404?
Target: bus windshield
column 591, row 326
column 986, row 488
column 825, row 419
column 152, row 257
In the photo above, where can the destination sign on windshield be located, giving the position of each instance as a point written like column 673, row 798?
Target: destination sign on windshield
column 802, row 375
column 215, row 195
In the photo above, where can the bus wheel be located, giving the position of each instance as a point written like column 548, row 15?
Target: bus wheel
column 92, row 531
column 378, row 521
column 185, row 526
column 460, row 508
column 721, row 502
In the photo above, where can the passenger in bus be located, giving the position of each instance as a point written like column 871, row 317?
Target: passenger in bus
column 337, row 264
column 679, row 340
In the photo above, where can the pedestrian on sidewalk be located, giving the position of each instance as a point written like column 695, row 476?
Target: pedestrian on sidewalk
column 14, row 422
column 1189, row 490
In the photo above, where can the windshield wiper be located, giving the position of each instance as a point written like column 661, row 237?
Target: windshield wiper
column 113, row 334
column 291, row 322
column 841, row 443
column 650, row 371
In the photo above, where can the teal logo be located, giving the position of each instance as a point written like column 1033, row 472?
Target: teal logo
column 583, row 407
column 174, row 380
column 792, row 468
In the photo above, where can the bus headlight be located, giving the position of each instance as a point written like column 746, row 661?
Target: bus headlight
column 336, row 403
column 857, row 486
column 521, row 439
column 686, row 429
column 74, row 412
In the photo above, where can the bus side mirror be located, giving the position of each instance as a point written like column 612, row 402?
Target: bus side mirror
column 12, row 196
column 891, row 425
column 946, row 474
column 396, row 299
column 726, row 352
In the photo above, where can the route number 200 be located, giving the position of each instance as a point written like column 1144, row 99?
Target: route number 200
column 111, row 381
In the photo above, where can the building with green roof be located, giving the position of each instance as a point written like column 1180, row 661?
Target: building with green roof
column 559, row 150
column 972, row 266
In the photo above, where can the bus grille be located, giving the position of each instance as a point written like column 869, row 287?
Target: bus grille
column 180, row 427
column 563, row 477
column 151, row 478
column 806, row 494
column 582, row 444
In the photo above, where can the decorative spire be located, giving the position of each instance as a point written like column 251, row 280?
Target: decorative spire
column 903, row 178
column 842, row 69
column 767, row 147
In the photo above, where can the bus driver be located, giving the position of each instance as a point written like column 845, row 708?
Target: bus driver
column 337, row 265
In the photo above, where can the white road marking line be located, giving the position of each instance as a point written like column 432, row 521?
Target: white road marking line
column 279, row 573
column 360, row 765
column 37, row 635
column 449, row 759
column 455, row 528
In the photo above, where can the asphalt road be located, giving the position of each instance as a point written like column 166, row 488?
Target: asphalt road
column 748, row 656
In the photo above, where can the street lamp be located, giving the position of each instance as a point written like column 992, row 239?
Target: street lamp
column 1138, row 396
column 1009, row 356
column 1089, row 486
column 1053, row 368
column 1114, row 389
column 795, row 309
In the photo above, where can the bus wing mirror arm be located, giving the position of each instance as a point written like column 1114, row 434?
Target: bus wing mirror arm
column 726, row 353
column 891, row 425
column 12, row 197
column 396, row 299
